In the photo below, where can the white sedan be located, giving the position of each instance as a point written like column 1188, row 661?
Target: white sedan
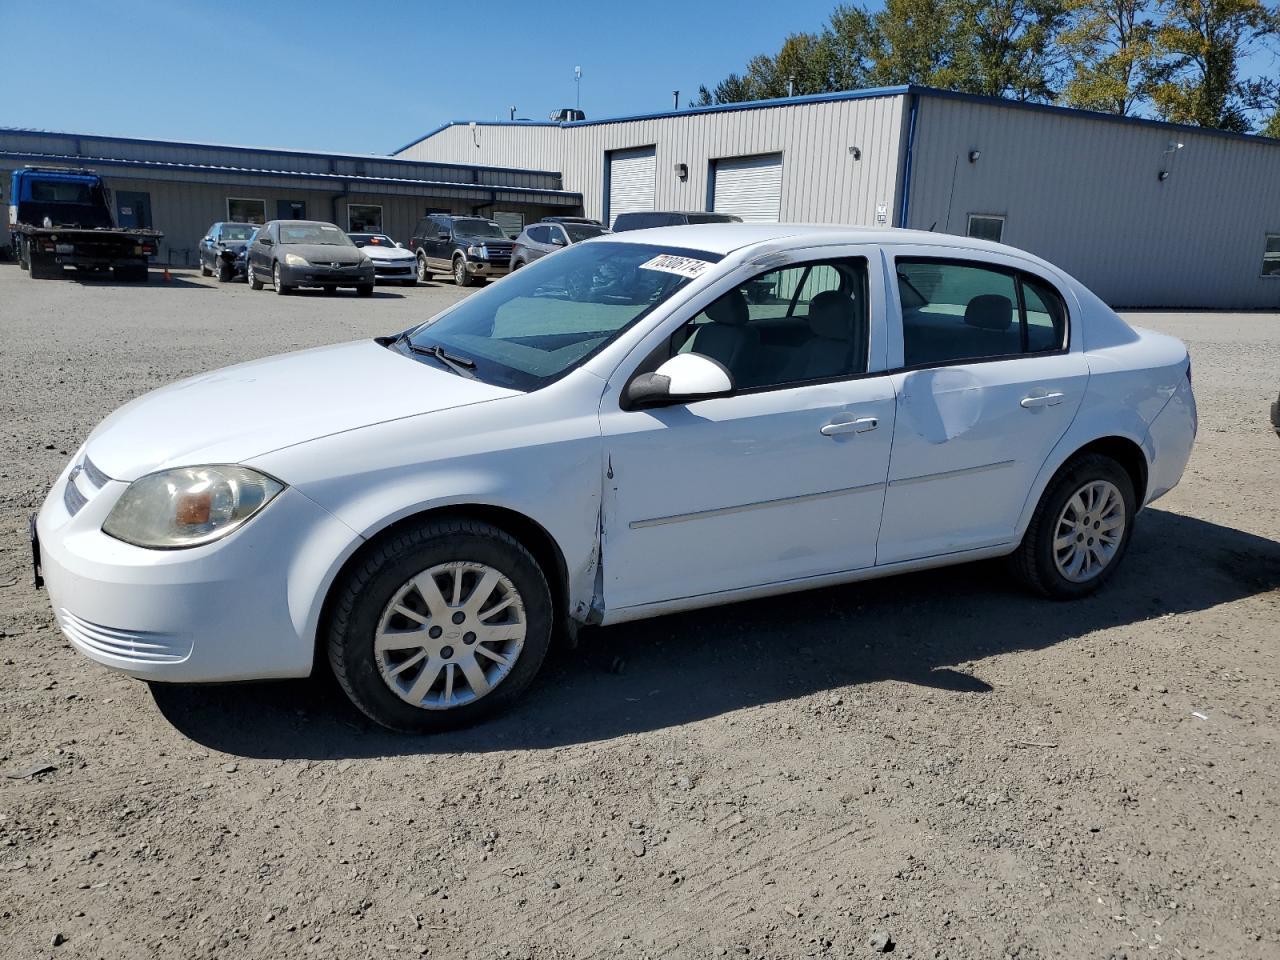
column 644, row 423
column 392, row 263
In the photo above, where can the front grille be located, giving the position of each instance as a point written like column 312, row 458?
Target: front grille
column 394, row 271
column 137, row 645
column 83, row 482
column 72, row 498
column 94, row 475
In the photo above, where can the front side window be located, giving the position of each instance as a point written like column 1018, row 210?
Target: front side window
column 1271, row 256
column 547, row 318
column 955, row 311
column 787, row 326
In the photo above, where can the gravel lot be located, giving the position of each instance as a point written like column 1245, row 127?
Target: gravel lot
column 937, row 759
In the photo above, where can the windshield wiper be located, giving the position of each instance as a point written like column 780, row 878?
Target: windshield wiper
column 463, row 366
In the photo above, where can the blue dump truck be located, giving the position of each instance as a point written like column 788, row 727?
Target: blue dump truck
column 61, row 218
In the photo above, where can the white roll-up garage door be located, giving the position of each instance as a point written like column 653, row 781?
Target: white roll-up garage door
column 750, row 187
column 633, row 175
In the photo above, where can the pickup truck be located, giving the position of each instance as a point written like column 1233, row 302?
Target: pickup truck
column 61, row 218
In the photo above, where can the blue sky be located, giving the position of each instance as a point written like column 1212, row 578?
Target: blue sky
column 363, row 76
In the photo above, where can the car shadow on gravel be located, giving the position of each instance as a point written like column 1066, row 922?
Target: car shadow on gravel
column 659, row 673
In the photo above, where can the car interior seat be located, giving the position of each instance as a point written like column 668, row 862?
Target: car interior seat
column 728, row 338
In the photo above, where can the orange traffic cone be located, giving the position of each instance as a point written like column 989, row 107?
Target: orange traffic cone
column 167, row 278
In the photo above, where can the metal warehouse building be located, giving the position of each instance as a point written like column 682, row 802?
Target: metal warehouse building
column 1146, row 213
column 182, row 188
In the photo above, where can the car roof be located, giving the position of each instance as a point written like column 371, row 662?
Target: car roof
column 725, row 238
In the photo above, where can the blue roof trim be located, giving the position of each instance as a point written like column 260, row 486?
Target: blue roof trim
column 869, row 93
column 28, row 157
column 314, row 154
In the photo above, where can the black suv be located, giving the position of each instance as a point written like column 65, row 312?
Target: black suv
column 464, row 247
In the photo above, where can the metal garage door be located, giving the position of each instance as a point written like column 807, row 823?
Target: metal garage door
column 750, row 187
column 632, row 178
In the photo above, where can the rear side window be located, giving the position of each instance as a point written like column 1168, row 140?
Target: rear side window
column 954, row 311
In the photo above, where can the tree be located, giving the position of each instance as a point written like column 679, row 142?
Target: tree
column 911, row 41
column 1007, row 48
column 1204, row 41
column 1110, row 46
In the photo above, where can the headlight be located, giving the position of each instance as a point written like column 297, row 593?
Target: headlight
column 476, row 251
column 189, row 506
column 293, row 260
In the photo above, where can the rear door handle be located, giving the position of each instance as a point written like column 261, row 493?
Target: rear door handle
column 861, row 425
column 1042, row 400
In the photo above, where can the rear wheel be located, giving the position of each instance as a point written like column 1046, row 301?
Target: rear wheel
column 440, row 625
column 423, row 273
column 1080, row 530
column 460, row 275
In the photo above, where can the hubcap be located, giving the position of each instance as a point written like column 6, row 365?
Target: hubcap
column 450, row 635
column 1089, row 531
column 459, row 271
column 422, row 269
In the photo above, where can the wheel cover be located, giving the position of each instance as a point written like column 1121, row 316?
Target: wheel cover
column 459, row 270
column 450, row 635
column 1089, row 531
column 422, row 268
column 248, row 272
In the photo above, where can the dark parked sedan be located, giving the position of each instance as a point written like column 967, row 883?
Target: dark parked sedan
column 539, row 239
column 221, row 251
column 307, row 253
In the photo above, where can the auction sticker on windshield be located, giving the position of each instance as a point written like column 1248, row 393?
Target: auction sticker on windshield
column 670, row 263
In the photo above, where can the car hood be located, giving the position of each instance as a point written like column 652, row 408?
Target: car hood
column 238, row 413
column 484, row 241
column 387, row 253
column 323, row 252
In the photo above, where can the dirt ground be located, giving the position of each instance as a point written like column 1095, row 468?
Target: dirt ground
column 937, row 759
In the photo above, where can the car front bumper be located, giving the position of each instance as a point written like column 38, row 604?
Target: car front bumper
column 318, row 275
column 406, row 269
column 241, row 608
column 488, row 268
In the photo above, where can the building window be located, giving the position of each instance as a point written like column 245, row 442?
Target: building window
column 1271, row 256
column 291, row 210
column 364, row 218
column 986, row 227
column 246, row 211
column 510, row 222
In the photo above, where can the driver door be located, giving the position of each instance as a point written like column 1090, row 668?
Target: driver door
column 781, row 481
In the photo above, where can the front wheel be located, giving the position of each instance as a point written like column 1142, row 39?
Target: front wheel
column 460, row 275
column 440, row 625
column 365, row 290
column 252, row 276
column 226, row 272
column 281, row 289
column 1080, row 529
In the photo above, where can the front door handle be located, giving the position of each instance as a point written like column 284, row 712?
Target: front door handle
column 1043, row 400
column 861, row 425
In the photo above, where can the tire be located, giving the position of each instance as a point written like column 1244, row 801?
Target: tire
column 205, row 271
column 1059, row 533
column 408, row 283
column 516, row 265
column 384, row 581
column 281, row 289
column 23, row 255
column 226, row 273
column 423, row 273
column 365, row 290
column 328, row 291
column 460, row 276
column 251, row 276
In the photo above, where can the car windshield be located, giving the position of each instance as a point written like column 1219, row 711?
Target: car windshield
column 583, row 231
column 372, row 239
column 236, row 231
column 323, row 234
column 474, row 227
column 545, row 319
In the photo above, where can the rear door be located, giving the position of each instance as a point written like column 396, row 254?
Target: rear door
column 988, row 382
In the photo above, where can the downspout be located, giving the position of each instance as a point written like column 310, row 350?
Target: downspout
column 905, row 207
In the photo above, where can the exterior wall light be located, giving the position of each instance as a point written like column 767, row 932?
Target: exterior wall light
column 974, row 155
column 1162, row 176
column 682, row 171
column 855, row 152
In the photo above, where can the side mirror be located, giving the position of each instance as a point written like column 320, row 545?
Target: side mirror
column 684, row 378
column 207, row 240
column 557, row 241
column 400, row 245
column 359, row 243
column 265, row 241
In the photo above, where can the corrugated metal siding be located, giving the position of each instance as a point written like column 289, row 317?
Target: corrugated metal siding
column 822, row 183
column 1084, row 194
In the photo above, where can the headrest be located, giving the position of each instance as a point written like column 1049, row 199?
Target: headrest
column 831, row 315
column 731, row 309
column 989, row 311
